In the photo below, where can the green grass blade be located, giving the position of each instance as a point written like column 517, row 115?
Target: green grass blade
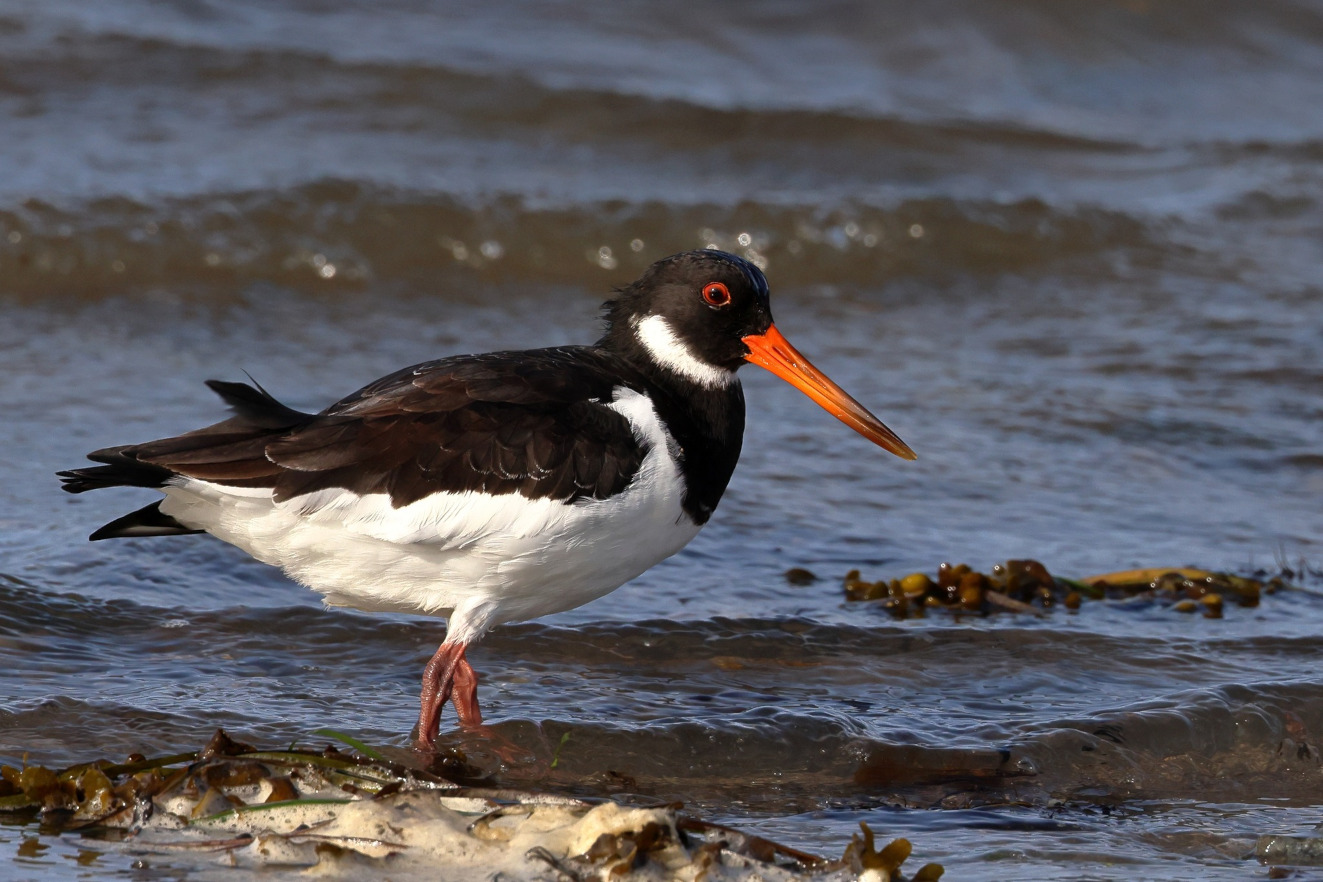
column 353, row 742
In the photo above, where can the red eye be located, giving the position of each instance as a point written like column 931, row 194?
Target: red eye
column 716, row 293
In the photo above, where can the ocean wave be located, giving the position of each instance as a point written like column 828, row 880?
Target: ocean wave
column 741, row 57
column 337, row 235
column 1230, row 743
column 789, row 714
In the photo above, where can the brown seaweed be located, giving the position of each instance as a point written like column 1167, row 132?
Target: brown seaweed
column 231, row 796
column 1027, row 587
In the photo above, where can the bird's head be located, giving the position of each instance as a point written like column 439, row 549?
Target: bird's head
column 703, row 314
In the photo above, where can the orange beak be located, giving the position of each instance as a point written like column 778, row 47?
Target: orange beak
column 774, row 352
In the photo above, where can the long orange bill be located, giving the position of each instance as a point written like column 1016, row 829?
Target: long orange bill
column 774, row 352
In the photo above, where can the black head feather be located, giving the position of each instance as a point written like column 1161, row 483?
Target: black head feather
column 672, row 288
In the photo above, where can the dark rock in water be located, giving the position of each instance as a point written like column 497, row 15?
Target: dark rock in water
column 1300, row 851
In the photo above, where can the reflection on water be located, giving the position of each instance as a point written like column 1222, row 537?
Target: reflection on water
column 1068, row 252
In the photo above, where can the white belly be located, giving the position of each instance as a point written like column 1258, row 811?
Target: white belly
column 488, row 559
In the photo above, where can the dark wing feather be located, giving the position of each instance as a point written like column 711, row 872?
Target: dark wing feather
column 229, row 451
column 533, row 423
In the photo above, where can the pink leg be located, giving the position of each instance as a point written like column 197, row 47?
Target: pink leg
column 448, row 675
column 465, row 696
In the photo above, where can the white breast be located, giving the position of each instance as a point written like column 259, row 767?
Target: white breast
column 490, row 559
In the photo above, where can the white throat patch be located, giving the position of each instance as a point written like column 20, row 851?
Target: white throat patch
column 669, row 351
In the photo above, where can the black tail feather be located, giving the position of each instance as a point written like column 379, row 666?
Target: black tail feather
column 146, row 521
column 256, row 405
column 232, row 450
column 257, row 413
column 120, row 470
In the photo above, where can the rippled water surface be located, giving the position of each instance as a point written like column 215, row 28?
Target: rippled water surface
column 1070, row 252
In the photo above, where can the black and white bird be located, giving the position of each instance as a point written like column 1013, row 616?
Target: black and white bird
column 489, row 488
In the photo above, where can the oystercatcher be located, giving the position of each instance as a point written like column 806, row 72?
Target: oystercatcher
column 489, row 488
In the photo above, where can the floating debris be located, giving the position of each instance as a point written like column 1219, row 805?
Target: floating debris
column 336, row 812
column 884, row 866
column 1026, row 586
column 798, row 576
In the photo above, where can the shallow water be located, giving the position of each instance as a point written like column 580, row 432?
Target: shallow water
column 1069, row 252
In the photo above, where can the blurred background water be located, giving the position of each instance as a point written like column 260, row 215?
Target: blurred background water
column 1069, row 251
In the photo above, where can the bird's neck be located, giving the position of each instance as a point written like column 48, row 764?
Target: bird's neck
column 705, row 418
column 708, row 427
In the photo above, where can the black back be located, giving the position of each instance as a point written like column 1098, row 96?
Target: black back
column 535, row 423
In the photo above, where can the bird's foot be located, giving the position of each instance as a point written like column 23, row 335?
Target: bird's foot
column 447, row 677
